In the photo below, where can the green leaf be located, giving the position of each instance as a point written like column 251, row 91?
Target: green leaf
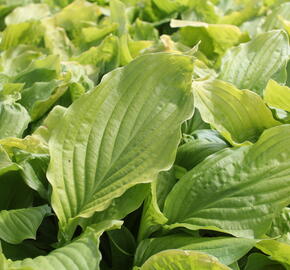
column 215, row 38
column 41, row 96
column 277, row 95
column 21, row 251
column 78, row 14
column 237, row 191
column 118, row 135
column 33, row 170
column 17, row 225
column 238, row 115
column 14, row 119
column 40, row 70
column 226, row 249
column 281, row 226
column 182, row 260
column 257, row 261
column 56, row 39
column 201, row 10
column 252, row 64
column 21, row 33
column 141, row 30
column 152, row 217
column 118, row 15
column 83, row 253
column 168, row 7
column 15, row 60
column 196, row 150
column 6, row 163
column 277, row 250
column 11, row 197
column 120, row 207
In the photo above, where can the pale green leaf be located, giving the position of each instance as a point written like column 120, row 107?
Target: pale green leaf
column 78, row 14
column 272, row 20
column 32, row 12
column 182, row 260
column 238, row 115
column 252, row 64
column 118, row 135
column 237, row 191
column 17, row 225
column 226, row 249
column 277, row 95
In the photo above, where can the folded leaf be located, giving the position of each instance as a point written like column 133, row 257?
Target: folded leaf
column 272, row 20
column 252, row 64
column 277, row 95
column 194, row 151
column 239, row 115
column 182, row 260
column 6, row 163
column 113, row 137
column 215, row 38
column 236, row 191
column 20, row 224
column 257, row 261
column 277, row 250
column 152, row 217
column 226, row 249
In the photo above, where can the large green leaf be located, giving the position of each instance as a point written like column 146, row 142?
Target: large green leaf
column 120, row 134
column 252, row 64
column 226, row 249
column 237, row 191
column 182, row 260
column 239, row 115
column 277, row 95
column 17, row 225
column 83, row 253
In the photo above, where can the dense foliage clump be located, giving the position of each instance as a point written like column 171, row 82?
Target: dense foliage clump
column 144, row 134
